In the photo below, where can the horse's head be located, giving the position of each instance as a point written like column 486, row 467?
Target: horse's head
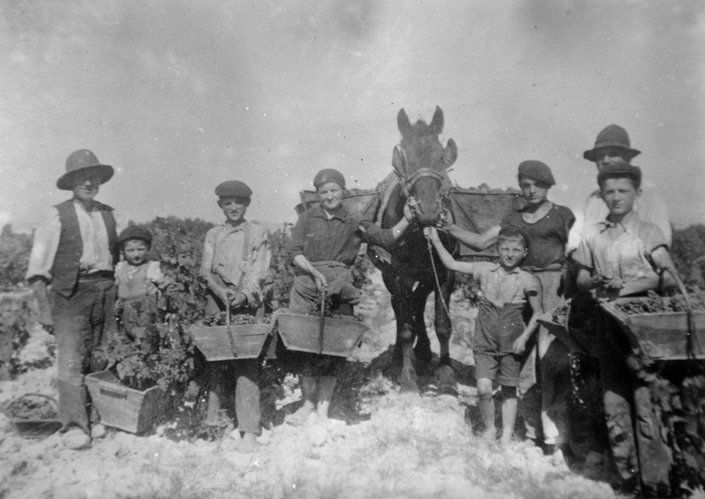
column 421, row 161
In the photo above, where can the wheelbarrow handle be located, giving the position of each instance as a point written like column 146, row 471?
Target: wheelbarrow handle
column 228, row 329
column 692, row 336
column 322, row 321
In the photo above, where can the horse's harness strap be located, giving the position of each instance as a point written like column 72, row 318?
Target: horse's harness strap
column 442, row 178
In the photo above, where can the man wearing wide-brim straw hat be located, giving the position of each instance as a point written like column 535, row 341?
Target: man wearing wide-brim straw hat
column 611, row 146
column 71, row 271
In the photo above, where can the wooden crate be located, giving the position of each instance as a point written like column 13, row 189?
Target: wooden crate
column 247, row 339
column 121, row 407
column 663, row 336
column 301, row 333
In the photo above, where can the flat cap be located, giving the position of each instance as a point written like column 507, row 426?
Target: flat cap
column 135, row 232
column 536, row 170
column 619, row 169
column 233, row 189
column 329, row 175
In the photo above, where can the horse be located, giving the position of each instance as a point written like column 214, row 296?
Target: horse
column 411, row 270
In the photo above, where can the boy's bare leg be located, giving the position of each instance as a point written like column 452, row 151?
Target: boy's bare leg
column 326, row 385
column 486, row 405
column 309, row 387
column 509, row 413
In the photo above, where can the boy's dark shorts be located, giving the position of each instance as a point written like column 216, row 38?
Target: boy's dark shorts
column 501, row 368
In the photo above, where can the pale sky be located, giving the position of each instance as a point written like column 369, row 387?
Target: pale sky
column 180, row 95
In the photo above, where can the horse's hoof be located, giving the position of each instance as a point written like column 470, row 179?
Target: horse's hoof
column 409, row 386
column 446, row 381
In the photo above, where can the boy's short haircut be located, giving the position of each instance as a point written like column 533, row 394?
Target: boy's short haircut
column 511, row 233
column 135, row 232
column 620, row 169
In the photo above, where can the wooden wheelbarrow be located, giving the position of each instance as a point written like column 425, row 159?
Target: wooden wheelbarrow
column 320, row 334
column 663, row 335
column 230, row 342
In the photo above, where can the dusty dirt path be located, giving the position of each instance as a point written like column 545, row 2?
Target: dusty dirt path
column 409, row 446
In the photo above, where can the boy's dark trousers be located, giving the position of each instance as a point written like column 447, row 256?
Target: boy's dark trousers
column 637, row 446
column 240, row 377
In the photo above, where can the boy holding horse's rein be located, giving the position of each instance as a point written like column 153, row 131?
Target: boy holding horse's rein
column 500, row 334
column 545, row 383
column 324, row 243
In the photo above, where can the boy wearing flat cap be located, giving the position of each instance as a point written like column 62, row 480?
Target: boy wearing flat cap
column 74, row 251
column 623, row 255
column 235, row 262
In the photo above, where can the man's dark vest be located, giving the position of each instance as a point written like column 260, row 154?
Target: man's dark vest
column 68, row 255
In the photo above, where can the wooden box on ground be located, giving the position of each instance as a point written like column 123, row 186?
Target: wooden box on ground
column 301, row 333
column 247, row 340
column 663, row 335
column 121, row 407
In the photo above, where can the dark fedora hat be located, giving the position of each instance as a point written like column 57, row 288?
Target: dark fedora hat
column 79, row 162
column 611, row 136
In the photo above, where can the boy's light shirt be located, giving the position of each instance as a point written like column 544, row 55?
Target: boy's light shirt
column 650, row 207
column 227, row 243
column 620, row 249
column 501, row 286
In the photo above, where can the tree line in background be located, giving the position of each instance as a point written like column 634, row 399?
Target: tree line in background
column 182, row 239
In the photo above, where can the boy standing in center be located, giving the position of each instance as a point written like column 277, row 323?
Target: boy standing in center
column 500, row 333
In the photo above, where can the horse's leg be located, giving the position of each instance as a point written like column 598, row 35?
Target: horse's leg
column 391, row 281
column 422, row 349
column 444, row 328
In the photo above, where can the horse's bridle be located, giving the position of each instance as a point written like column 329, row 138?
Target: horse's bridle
column 408, row 181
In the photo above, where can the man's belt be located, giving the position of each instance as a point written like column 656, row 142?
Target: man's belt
column 100, row 275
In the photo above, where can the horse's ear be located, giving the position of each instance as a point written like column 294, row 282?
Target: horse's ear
column 398, row 162
column 436, row 125
column 450, row 153
column 403, row 122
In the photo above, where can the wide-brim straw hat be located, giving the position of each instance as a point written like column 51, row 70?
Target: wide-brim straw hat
column 611, row 136
column 80, row 162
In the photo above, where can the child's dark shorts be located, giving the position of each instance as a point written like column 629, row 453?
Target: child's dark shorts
column 501, row 368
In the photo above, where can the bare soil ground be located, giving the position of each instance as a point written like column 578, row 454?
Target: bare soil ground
column 382, row 443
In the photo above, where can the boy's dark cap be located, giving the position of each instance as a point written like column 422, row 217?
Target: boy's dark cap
column 619, row 168
column 536, row 170
column 329, row 175
column 233, row 189
column 611, row 136
column 135, row 232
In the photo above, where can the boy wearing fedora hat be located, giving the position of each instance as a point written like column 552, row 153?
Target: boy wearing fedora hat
column 234, row 265
column 613, row 145
column 74, row 252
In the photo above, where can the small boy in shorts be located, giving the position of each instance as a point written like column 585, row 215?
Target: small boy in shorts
column 500, row 333
column 138, row 282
